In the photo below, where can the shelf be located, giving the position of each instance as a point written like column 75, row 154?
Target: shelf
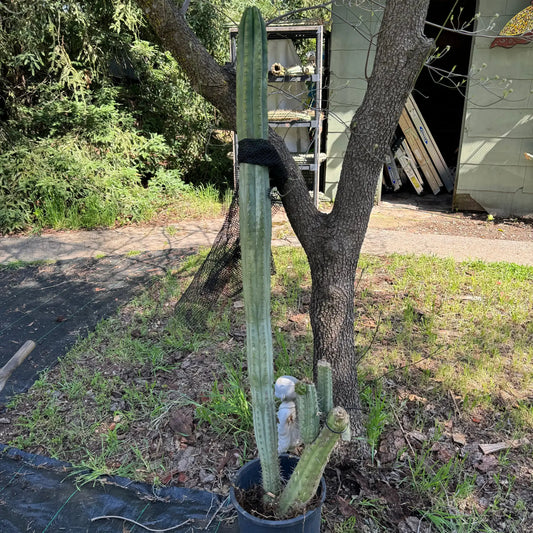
column 309, row 124
column 309, row 116
column 302, row 77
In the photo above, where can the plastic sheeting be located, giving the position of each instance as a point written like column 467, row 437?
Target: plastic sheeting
column 38, row 494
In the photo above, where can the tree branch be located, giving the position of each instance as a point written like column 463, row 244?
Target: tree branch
column 400, row 54
column 210, row 80
column 217, row 85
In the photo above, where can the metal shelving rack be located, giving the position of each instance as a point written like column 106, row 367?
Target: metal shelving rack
column 315, row 124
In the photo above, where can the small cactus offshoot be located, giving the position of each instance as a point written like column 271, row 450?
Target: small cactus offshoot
column 305, row 479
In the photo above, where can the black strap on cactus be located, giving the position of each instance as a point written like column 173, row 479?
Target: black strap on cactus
column 262, row 152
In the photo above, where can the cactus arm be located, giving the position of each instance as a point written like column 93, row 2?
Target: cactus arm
column 255, row 236
column 306, row 477
column 324, row 385
column 307, row 409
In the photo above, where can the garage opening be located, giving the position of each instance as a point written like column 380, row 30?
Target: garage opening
column 440, row 92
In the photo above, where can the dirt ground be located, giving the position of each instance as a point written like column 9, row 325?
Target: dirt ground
column 433, row 214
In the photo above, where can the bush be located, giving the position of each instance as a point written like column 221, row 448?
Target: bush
column 69, row 183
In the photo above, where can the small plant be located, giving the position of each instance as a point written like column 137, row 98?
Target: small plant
column 256, row 234
column 377, row 416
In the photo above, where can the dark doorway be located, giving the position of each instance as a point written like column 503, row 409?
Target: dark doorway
column 440, row 102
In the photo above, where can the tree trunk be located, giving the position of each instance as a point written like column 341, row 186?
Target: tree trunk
column 332, row 321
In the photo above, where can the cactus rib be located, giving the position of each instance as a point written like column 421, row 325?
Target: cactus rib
column 324, row 386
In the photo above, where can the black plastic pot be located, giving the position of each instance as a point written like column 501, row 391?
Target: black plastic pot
column 250, row 475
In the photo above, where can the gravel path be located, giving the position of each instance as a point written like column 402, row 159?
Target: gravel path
column 393, row 229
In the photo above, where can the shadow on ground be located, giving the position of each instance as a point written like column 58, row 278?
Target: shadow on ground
column 53, row 305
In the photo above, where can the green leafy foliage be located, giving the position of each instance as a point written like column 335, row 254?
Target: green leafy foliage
column 96, row 120
column 70, row 183
column 97, row 124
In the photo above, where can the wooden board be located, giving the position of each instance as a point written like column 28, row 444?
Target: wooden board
column 429, row 142
column 409, row 167
column 420, row 153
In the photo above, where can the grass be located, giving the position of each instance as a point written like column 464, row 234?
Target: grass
column 15, row 265
column 448, row 351
column 200, row 202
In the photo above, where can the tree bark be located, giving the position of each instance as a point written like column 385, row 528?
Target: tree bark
column 332, row 242
column 334, row 250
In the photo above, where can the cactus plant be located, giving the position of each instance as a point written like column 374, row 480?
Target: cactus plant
column 307, row 409
column 304, row 480
column 255, row 235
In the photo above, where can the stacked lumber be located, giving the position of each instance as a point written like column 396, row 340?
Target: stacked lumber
column 415, row 156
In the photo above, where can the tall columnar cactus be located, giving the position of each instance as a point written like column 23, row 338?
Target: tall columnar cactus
column 255, row 236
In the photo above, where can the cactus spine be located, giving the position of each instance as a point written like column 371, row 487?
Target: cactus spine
column 307, row 409
column 305, row 479
column 255, row 236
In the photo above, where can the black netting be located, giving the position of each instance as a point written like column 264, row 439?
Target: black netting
column 220, row 273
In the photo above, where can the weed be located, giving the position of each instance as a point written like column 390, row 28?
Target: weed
column 377, row 415
column 15, row 265
column 228, row 410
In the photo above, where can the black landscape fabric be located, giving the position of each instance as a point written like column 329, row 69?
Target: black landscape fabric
column 39, row 494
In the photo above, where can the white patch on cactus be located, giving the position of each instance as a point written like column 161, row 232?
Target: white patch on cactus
column 288, row 432
column 284, row 388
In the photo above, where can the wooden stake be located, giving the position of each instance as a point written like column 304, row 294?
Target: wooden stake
column 15, row 362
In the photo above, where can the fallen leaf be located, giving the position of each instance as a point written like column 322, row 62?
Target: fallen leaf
column 168, row 477
column 345, row 508
column 459, row 438
column 418, row 435
column 499, row 446
column 180, row 422
column 487, row 463
column 182, row 477
column 301, row 318
column 444, row 451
